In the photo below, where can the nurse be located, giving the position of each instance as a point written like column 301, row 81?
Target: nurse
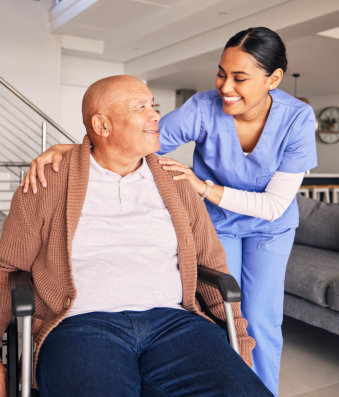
column 253, row 145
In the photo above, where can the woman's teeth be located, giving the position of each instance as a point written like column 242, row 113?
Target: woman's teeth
column 231, row 98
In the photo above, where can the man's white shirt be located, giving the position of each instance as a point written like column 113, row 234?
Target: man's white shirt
column 124, row 251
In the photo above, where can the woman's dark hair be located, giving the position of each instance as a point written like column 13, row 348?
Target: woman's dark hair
column 264, row 45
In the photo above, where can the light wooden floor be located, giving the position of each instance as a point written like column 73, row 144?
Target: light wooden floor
column 310, row 361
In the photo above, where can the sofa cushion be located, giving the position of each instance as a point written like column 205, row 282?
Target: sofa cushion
column 318, row 224
column 333, row 294
column 310, row 273
column 311, row 313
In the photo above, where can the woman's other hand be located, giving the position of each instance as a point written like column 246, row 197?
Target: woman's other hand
column 53, row 156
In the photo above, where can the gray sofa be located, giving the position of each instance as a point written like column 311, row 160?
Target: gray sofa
column 312, row 276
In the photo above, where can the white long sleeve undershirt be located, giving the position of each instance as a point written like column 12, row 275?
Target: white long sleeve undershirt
column 270, row 204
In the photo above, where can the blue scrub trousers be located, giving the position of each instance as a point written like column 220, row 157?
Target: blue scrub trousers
column 259, row 265
column 153, row 353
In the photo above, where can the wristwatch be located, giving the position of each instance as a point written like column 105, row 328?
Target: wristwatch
column 209, row 185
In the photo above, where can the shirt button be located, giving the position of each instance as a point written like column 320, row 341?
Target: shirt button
column 67, row 303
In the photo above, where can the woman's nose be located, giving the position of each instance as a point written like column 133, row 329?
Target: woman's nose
column 227, row 86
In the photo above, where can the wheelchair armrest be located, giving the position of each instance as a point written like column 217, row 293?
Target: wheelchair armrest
column 22, row 294
column 225, row 283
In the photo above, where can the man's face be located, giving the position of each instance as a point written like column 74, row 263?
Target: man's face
column 135, row 129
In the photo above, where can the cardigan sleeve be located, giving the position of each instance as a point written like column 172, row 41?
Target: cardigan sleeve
column 19, row 245
column 210, row 253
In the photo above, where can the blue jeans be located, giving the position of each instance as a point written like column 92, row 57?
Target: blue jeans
column 153, row 353
column 259, row 265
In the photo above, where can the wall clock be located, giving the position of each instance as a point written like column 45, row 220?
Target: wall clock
column 328, row 125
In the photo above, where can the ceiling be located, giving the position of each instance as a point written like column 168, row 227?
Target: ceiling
column 177, row 43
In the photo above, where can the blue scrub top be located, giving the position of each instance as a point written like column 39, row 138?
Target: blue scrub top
column 287, row 144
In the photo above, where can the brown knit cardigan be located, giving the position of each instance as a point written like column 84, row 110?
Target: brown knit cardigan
column 37, row 237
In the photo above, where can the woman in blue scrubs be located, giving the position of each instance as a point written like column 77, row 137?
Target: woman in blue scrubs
column 253, row 145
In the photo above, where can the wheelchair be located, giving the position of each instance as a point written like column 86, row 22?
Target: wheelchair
column 23, row 308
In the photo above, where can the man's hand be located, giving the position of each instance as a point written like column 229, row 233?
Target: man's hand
column 2, row 380
column 51, row 156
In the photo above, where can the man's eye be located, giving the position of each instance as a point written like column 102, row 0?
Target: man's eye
column 239, row 80
column 222, row 76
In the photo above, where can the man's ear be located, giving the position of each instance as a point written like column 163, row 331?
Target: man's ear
column 101, row 125
column 275, row 78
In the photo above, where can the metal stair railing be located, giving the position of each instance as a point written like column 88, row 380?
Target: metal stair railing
column 8, row 184
column 25, row 131
column 47, row 120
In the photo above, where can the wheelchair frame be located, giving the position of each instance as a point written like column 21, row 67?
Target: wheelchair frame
column 23, row 306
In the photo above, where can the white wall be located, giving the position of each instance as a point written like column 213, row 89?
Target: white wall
column 83, row 72
column 32, row 62
column 30, row 55
column 76, row 75
column 71, row 118
column 165, row 98
column 328, row 154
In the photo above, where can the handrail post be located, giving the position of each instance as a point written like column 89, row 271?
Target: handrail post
column 44, row 137
column 22, row 174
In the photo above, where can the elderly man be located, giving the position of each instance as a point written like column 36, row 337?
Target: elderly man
column 112, row 245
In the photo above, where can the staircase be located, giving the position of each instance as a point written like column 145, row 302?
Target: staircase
column 25, row 131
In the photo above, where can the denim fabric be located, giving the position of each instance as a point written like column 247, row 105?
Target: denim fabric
column 153, row 353
column 259, row 265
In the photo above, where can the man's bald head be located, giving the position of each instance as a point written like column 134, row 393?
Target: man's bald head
column 101, row 96
column 119, row 116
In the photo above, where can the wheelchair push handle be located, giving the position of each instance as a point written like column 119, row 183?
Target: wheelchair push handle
column 23, row 306
column 230, row 292
column 22, row 294
column 225, row 283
